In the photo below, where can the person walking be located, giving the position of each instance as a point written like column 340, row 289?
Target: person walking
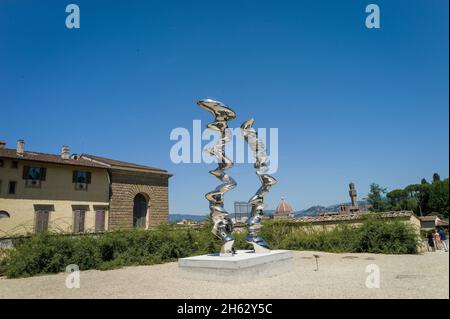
column 430, row 238
column 443, row 237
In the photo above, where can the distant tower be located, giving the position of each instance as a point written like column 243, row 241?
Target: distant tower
column 352, row 193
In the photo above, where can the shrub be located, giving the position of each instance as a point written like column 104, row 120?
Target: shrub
column 375, row 235
column 393, row 237
column 50, row 253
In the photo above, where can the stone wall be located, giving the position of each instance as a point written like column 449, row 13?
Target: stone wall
column 356, row 220
column 125, row 185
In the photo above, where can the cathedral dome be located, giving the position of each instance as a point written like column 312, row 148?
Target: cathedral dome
column 283, row 208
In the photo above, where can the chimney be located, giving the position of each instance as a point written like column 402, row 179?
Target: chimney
column 2, row 144
column 20, row 147
column 65, row 152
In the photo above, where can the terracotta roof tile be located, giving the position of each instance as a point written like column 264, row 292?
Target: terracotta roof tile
column 84, row 160
column 47, row 158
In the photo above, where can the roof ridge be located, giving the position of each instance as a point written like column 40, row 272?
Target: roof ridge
column 31, row 152
column 113, row 162
column 48, row 158
column 83, row 159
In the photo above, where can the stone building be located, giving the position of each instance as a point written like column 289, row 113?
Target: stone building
column 138, row 194
column 77, row 193
column 353, row 207
column 432, row 222
column 344, row 209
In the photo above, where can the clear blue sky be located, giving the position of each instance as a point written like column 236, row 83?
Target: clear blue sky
column 351, row 104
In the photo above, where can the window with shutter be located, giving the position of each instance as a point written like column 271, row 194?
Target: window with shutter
column 99, row 220
column 78, row 221
column 42, row 218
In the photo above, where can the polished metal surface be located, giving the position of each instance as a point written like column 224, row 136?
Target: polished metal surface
column 222, row 223
column 4, row 214
column 257, row 201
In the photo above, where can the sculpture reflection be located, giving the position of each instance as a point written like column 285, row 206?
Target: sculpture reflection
column 257, row 201
column 223, row 226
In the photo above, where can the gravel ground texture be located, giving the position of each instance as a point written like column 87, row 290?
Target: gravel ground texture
column 339, row 276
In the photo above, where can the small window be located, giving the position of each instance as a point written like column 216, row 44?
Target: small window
column 14, row 164
column 2, row 163
column 78, row 221
column 12, row 187
column 34, row 173
column 81, row 177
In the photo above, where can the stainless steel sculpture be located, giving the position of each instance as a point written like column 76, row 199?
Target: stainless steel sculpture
column 257, row 201
column 222, row 223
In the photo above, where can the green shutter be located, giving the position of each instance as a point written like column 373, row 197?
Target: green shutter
column 74, row 176
column 88, row 177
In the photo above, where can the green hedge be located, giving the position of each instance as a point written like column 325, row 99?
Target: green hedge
column 49, row 253
column 375, row 235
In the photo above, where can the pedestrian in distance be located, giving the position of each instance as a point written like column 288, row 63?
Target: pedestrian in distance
column 430, row 238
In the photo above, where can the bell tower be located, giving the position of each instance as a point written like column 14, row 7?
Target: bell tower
column 352, row 193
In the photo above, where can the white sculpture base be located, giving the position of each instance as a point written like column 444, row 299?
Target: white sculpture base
column 245, row 265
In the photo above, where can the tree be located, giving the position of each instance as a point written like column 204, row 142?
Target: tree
column 419, row 193
column 402, row 199
column 376, row 198
column 436, row 178
column 396, row 199
column 423, row 198
column 438, row 200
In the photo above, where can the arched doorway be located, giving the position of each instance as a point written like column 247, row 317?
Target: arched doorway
column 139, row 211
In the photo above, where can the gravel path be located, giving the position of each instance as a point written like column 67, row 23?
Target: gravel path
column 339, row 276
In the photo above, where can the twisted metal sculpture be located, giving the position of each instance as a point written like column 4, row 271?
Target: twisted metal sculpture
column 222, row 223
column 257, row 201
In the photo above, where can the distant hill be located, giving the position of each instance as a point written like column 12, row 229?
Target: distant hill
column 311, row 211
column 315, row 210
column 174, row 218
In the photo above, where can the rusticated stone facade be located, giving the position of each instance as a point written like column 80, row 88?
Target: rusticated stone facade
column 125, row 185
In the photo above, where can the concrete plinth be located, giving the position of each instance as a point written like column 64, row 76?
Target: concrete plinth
column 245, row 265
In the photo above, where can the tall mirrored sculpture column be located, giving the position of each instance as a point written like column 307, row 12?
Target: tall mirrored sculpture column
column 222, row 223
column 257, row 201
